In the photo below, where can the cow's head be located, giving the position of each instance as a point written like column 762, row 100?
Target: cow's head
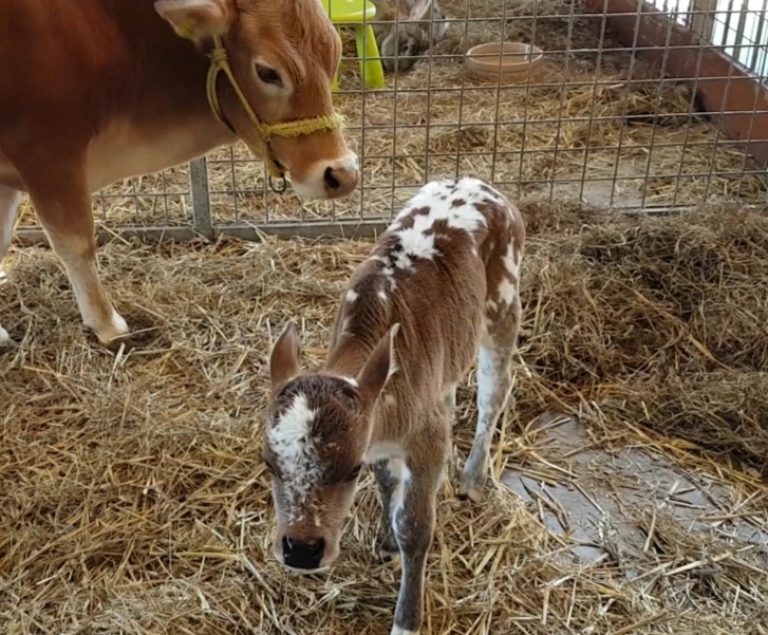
column 315, row 441
column 283, row 54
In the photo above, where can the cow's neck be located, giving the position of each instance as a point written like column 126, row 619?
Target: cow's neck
column 170, row 71
column 161, row 116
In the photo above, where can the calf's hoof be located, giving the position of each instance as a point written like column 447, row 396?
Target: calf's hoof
column 5, row 340
column 389, row 555
column 398, row 630
column 471, row 490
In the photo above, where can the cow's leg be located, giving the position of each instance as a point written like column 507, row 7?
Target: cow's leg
column 9, row 206
column 413, row 519
column 494, row 383
column 64, row 208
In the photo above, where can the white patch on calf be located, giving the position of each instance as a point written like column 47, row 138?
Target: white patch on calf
column 382, row 296
column 383, row 450
column 389, row 274
column 290, row 438
column 393, row 455
column 507, row 291
column 439, row 201
column 512, row 262
column 352, row 295
column 399, row 471
column 5, row 339
column 487, row 378
column 396, row 630
column 414, row 244
column 465, row 216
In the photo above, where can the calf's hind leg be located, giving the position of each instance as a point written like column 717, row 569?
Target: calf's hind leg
column 9, row 206
column 494, row 383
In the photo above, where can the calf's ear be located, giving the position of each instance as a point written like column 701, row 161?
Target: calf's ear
column 379, row 367
column 284, row 360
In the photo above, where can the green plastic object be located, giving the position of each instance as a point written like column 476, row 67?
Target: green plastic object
column 352, row 13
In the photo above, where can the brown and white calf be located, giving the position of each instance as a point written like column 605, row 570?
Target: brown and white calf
column 92, row 91
column 439, row 290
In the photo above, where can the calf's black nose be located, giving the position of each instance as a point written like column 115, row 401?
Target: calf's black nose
column 303, row 554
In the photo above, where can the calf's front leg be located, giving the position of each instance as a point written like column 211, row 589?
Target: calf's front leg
column 388, row 484
column 413, row 524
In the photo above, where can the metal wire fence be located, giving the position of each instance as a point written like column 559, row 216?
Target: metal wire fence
column 634, row 106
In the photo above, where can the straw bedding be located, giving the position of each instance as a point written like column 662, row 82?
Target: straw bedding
column 132, row 498
column 661, row 320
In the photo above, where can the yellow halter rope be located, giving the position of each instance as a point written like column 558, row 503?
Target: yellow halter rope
column 220, row 63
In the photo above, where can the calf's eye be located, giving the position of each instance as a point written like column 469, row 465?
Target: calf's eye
column 354, row 474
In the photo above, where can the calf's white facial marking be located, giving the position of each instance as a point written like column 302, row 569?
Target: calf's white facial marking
column 291, row 441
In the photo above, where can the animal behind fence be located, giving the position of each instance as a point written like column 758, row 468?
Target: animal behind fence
column 439, row 288
column 418, row 25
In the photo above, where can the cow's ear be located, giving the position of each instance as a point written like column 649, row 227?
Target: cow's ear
column 195, row 20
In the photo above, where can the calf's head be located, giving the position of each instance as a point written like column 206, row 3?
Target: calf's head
column 318, row 430
column 283, row 55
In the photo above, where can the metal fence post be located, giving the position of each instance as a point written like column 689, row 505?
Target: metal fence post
column 200, row 196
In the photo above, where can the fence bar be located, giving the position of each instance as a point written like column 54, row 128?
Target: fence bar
column 352, row 230
column 200, row 196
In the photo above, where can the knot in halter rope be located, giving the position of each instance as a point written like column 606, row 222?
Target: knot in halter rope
column 264, row 131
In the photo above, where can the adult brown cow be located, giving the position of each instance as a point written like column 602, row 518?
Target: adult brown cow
column 92, row 91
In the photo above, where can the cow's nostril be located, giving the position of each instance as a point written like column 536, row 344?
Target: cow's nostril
column 330, row 179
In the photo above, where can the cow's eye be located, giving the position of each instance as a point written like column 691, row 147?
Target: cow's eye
column 268, row 75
